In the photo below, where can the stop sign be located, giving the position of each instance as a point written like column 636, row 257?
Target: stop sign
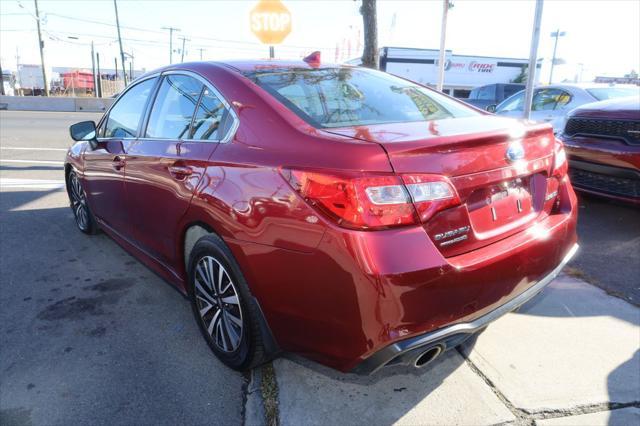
column 270, row 21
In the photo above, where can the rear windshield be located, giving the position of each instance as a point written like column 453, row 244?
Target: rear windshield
column 341, row 97
column 604, row 93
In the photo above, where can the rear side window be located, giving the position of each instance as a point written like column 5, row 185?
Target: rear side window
column 340, row 97
column 604, row 93
column 209, row 120
column 125, row 115
column 173, row 107
column 487, row 93
column 511, row 90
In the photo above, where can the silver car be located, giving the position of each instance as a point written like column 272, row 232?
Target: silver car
column 552, row 103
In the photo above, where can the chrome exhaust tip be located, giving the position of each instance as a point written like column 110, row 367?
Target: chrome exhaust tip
column 427, row 356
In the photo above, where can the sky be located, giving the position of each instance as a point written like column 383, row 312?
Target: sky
column 602, row 37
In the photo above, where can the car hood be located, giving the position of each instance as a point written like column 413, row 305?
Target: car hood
column 618, row 109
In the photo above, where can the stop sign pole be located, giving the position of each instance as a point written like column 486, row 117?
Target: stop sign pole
column 270, row 21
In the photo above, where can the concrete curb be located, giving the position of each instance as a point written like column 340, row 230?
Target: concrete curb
column 254, row 414
column 312, row 394
column 62, row 104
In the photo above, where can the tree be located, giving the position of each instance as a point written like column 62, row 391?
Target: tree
column 522, row 77
column 370, row 21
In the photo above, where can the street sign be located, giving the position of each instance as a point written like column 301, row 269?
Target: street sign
column 270, row 21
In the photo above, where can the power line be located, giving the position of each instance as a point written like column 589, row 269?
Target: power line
column 193, row 36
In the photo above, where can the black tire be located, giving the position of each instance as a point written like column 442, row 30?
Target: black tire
column 218, row 324
column 85, row 220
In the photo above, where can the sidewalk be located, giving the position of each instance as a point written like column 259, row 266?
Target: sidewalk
column 569, row 357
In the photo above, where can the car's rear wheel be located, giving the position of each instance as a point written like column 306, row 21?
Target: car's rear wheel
column 78, row 200
column 223, row 305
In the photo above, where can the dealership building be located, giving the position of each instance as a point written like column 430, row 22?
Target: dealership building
column 462, row 72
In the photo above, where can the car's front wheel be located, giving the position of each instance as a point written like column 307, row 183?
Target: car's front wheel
column 78, row 200
column 223, row 305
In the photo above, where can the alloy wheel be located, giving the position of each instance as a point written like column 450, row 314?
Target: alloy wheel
column 78, row 203
column 218, row 304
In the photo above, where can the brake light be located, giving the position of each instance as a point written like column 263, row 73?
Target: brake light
column 430, row 194
column 373, row 201
column 560, row 163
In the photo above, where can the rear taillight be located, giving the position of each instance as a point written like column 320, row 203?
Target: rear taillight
column 560, row 163
column 373, row 201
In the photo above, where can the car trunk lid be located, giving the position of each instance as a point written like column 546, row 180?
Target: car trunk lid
column 499, row 196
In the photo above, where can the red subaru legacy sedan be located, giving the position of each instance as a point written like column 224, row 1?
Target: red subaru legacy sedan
column 342, row 213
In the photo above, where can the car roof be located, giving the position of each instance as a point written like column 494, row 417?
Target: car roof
column 584, row 86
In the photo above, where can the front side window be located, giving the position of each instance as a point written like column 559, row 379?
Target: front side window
column 339, row 97
column 514, row 103
column 173, row 107
column 550, row 99
column 209, row 121
column 124, row 117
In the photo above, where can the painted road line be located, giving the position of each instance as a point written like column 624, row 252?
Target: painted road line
column 9, row 183
column 57, row 163
column 25, row 148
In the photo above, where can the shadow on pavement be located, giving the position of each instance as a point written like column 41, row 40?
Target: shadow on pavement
column 90, row 336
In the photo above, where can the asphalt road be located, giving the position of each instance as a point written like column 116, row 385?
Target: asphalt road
column 87, row 334
column 609, row 256
column 90, row 336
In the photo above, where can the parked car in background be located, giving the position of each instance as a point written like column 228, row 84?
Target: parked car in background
column 492, row 94
column 552, row 103
column 602, row 140
column 334, row 211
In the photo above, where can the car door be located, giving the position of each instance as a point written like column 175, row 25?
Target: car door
column 105, row 165
column 164, row 166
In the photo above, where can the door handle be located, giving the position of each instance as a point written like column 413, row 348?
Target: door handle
column 180, row 172
column 118, row 162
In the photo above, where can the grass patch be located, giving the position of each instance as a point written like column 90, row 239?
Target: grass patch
column 269, row 389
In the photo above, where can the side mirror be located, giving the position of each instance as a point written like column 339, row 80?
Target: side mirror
column 84, row 131
column 491, row 108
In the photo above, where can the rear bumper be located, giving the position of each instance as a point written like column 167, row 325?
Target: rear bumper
column 361, row 292
column 405, row 351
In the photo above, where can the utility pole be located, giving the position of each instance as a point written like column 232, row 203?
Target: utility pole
column 1, row 82
column 370, row 23
column 557, row 34
column 93, row 71
column 184, row 39
column 446, row 5
column 41, row 45
column 124, row 71
column 272, row 52
column 533, row 59
column 171, row 30
column 201, row 50
column 99, row 85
